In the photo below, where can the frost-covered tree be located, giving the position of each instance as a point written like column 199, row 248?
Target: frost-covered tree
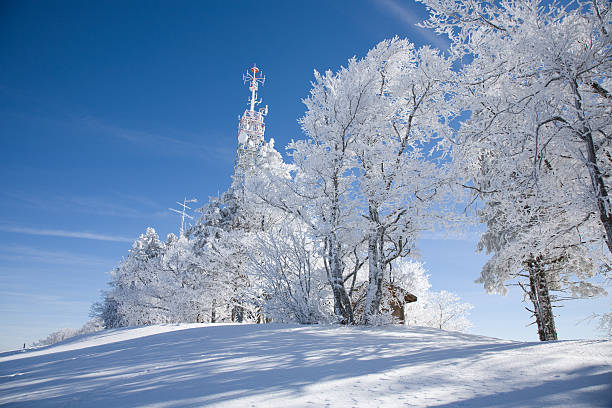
column 522, row 236
column 227, row 226
column 185, row 281
column 219, row 266
column 538, row 86
column 370, row 127
column 526, row 238
column 446, row 311
column 541, row 73
column 289, row 276
column 535, row 146
column 320, row 192
column 404, row 113
column 158, row 283
column 136, row 296
column 107, row 311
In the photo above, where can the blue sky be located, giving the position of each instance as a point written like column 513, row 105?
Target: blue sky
column 111, row 111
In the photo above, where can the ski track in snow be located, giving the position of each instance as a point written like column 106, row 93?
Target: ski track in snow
column 192, row 365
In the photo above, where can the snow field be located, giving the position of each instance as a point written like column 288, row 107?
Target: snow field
column 191, row 365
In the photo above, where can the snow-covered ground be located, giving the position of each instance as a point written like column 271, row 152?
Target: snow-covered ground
column 298, row 366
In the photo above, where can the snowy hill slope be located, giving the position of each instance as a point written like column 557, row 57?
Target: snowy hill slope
column 296, row 366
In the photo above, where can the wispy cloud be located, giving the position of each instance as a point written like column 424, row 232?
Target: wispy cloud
column 106, row 206
column 115, row 205
column 137, row 199
column 49, row 300
column 405, row 14
column 64, row 233
column 162, row 143
column 19, row 253
column 167, row 142
column 44, row 313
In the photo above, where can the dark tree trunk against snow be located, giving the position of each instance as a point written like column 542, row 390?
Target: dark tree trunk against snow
column 334, row 265
column 597, row 180
column 603, row 202
column 213, row 311
column 540, row 297
column 342, row 303
column 238, row 313
column 376, row 267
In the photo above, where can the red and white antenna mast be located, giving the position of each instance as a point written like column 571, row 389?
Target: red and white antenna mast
column 252, row 127
column 254, row 80
column 250, row 131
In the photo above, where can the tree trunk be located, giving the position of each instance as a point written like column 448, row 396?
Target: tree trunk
column 237, row 313
column 599, row 187
column 597, row 181
column 376, row 268
column 342, row 303
column 540, row 297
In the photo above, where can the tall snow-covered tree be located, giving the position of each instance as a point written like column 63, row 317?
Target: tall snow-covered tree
column 370, row 127
column 322, row 192
column 186, row 282
column 136, row 296
column 404, row 113
column 527, row 250
column 226, row 228
column 534, row 83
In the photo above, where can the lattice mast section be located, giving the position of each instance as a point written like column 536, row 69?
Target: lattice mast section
column 251, row 127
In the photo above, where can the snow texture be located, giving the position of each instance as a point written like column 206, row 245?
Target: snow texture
column 274, row 365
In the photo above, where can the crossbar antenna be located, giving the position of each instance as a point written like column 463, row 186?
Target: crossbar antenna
column 183, row 212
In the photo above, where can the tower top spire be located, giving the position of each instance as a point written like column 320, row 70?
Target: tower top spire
column 254, row 80
column 252, row 127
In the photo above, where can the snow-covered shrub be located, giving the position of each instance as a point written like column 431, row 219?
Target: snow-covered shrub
column 605, row 324
column 442, row 310
column 55, row 337
column 92, row 326
column 289, row 278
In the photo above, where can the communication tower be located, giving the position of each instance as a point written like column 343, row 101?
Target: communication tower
column 251, row 127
